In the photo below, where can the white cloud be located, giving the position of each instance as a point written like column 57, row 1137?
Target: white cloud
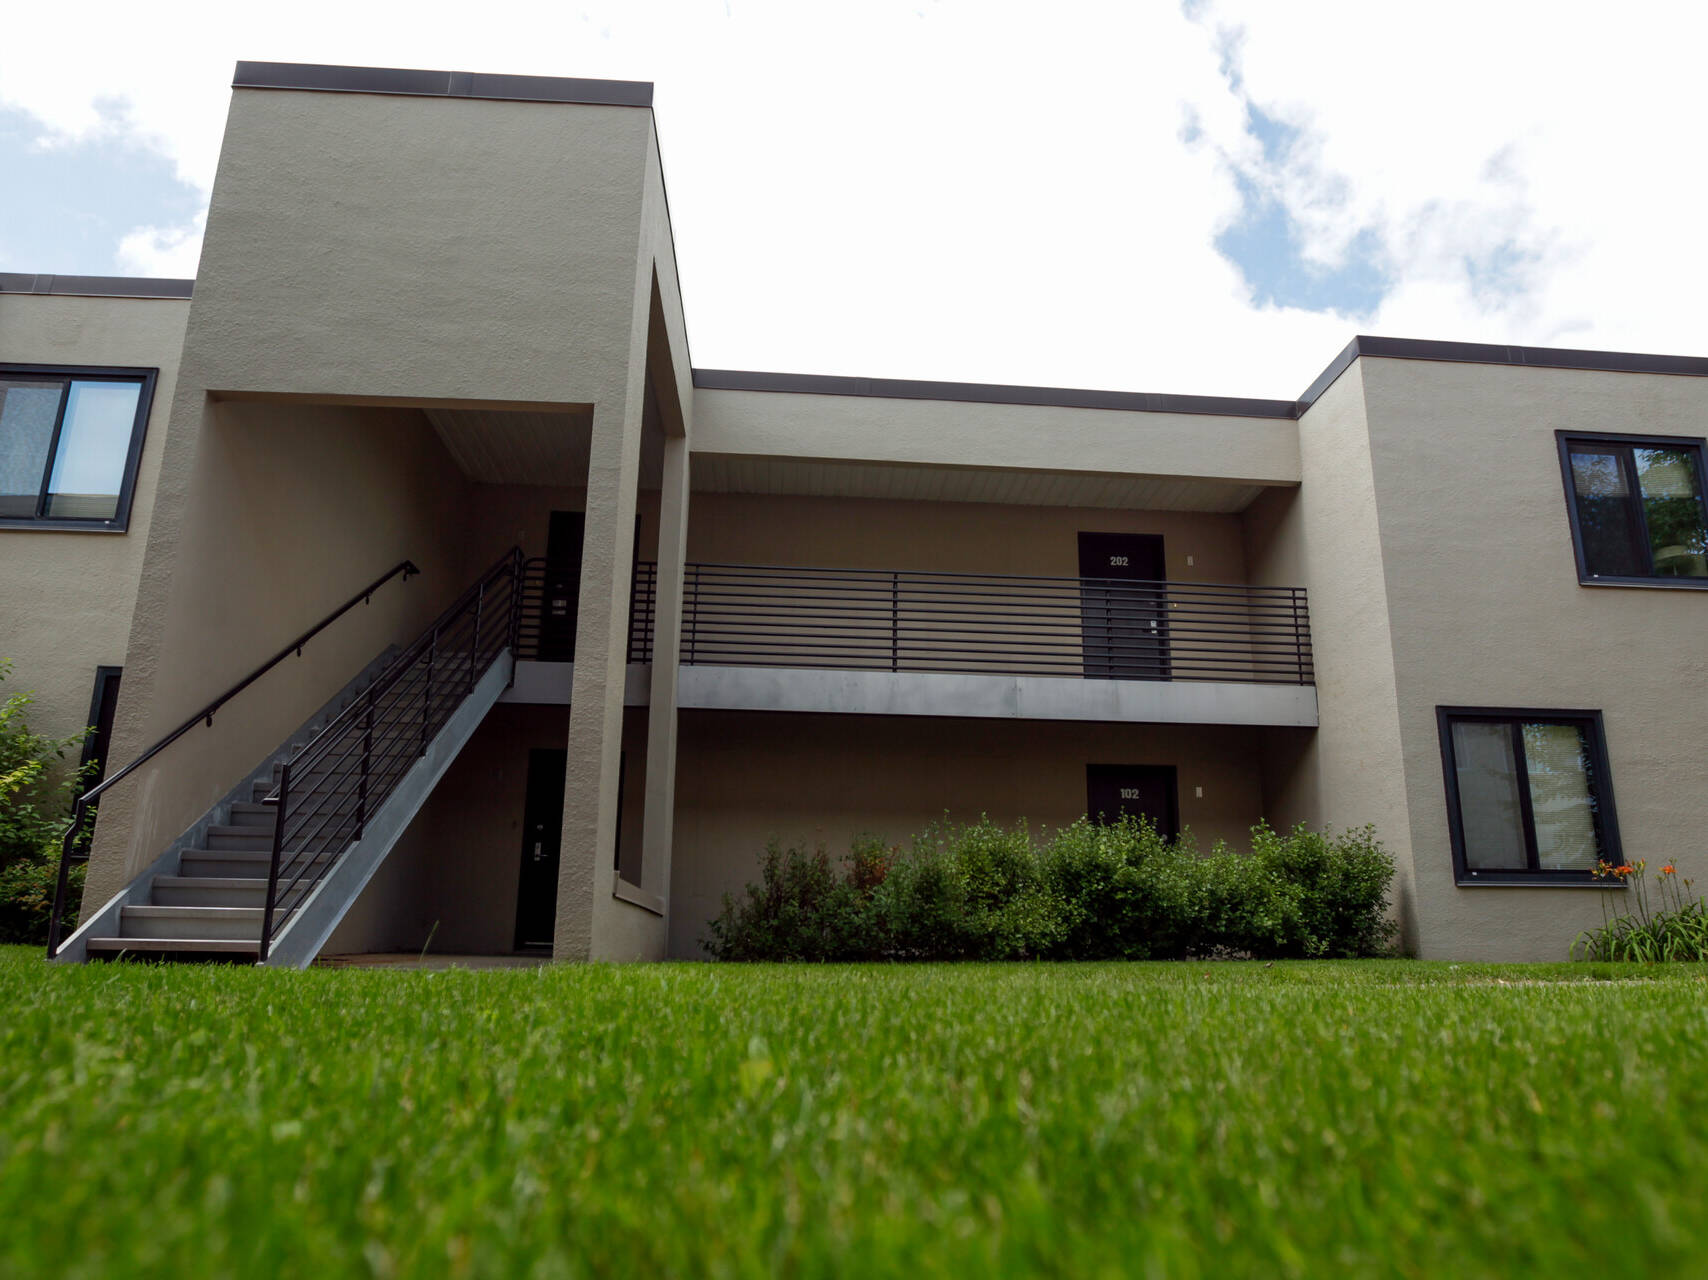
column 171, row 252
column 997, row 191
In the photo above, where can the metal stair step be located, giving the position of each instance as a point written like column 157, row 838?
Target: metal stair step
column 226, row 837
column 187, row 946
column 241, row 923
column 219, row 891
column 245, row 814
column 238, row 863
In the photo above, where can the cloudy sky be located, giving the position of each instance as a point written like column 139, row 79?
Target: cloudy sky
column 1207, row 197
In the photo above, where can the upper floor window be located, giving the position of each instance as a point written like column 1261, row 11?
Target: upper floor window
column 1637, row 507
column 1529, row 799
column 70, row 440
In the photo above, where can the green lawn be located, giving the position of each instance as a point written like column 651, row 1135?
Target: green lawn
column 1158, row 1120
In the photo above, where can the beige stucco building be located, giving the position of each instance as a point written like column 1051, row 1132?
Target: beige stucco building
column 614, row 622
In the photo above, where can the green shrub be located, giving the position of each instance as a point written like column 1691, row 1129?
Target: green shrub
column 37, row 791
column 981, row 891
column 1666, row 923
column 26, row 898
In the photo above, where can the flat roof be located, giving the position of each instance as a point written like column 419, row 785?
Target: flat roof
column 321, row 78
column 813, row 384
column 95, row 286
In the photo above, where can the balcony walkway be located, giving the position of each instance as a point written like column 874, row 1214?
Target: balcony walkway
column 899, row 642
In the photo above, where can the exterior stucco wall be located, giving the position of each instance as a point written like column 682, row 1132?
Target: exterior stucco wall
column 1325, row 536
column 1487, row 611
column 288, row 510
column 68, row 596
column 451, row 885
column 459, row 249
column 745, row 778
column 962, row 537
column 1026, row 437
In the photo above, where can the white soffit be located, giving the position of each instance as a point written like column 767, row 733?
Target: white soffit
column 495, row 446
column 503, row 446
column 726, row 473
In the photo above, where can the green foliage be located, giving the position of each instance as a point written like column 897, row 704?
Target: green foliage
column 980, row 891
column 1665, row 922
column 1373, row 1118
column 37, row 791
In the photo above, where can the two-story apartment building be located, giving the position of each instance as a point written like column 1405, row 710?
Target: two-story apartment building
column 617, row 621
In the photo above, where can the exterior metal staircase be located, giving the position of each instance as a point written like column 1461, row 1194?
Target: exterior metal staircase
column 267, row 873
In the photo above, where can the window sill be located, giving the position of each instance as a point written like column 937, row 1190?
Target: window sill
column 1520, row 880
column 66, row 526
column 1664, row 584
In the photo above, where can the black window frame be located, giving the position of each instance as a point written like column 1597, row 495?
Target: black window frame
column 1606, row 815
column 119, row 521
column 1617, row 439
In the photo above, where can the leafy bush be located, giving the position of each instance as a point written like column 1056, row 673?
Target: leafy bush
column 1669, row 923
column 981, row 891
column 36, row 795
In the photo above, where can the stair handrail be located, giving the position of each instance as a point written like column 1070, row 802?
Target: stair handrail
column 407, row 569
column 507, row 567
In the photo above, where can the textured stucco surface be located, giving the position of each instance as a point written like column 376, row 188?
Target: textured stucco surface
column 1487, row 611
column 1027, row 437
column 957, row 537
column 286, row 511
column 1326, row 536
column 66, row 597
column 591, row 922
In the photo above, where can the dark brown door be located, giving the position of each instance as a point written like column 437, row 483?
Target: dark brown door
column 562, row 586
column 1123, row 606
column 542, row 837
column 1116, row 791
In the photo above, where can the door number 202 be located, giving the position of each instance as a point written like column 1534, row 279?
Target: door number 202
column 1117, row 561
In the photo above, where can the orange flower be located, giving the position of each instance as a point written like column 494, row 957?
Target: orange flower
column 1667, row 870
column 1623, row 870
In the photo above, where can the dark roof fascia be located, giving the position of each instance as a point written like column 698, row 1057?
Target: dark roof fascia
column 1532, row 357
column 989, row 393
column 441, row 84
column 95, row 286
column 1496, row 353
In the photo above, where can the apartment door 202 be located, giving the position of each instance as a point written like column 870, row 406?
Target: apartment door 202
column 1123, row 606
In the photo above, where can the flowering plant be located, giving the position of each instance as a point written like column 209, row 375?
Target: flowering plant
column 1667, row 920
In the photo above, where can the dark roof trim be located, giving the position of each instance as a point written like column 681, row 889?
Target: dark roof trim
column 1221, row 406
column 1494, row 353
column 441, row 84
column 989, row 393
column 95, row 286
column 1536, row 357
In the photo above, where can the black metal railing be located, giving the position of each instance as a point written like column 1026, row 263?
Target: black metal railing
column 903, row 620
column 329, row 789
column 74, row 848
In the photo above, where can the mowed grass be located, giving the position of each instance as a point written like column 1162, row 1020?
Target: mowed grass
column 1383, row 1118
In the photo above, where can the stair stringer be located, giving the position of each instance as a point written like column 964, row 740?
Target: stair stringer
column 310, row 925
column 139, row 892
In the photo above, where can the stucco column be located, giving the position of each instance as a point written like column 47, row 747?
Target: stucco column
column 601, row 660
column 660, row 814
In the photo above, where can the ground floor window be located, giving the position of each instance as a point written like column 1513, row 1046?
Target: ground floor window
column 1529, row 796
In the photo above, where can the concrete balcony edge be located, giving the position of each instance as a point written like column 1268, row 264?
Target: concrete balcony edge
column 951, row 694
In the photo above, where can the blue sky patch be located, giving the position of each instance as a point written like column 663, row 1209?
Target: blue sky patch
column 1266, row 246
column 72, row 204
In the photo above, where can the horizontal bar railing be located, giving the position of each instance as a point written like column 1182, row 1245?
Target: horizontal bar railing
column 909, row 620
column 71, row 852
column 333, row 785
